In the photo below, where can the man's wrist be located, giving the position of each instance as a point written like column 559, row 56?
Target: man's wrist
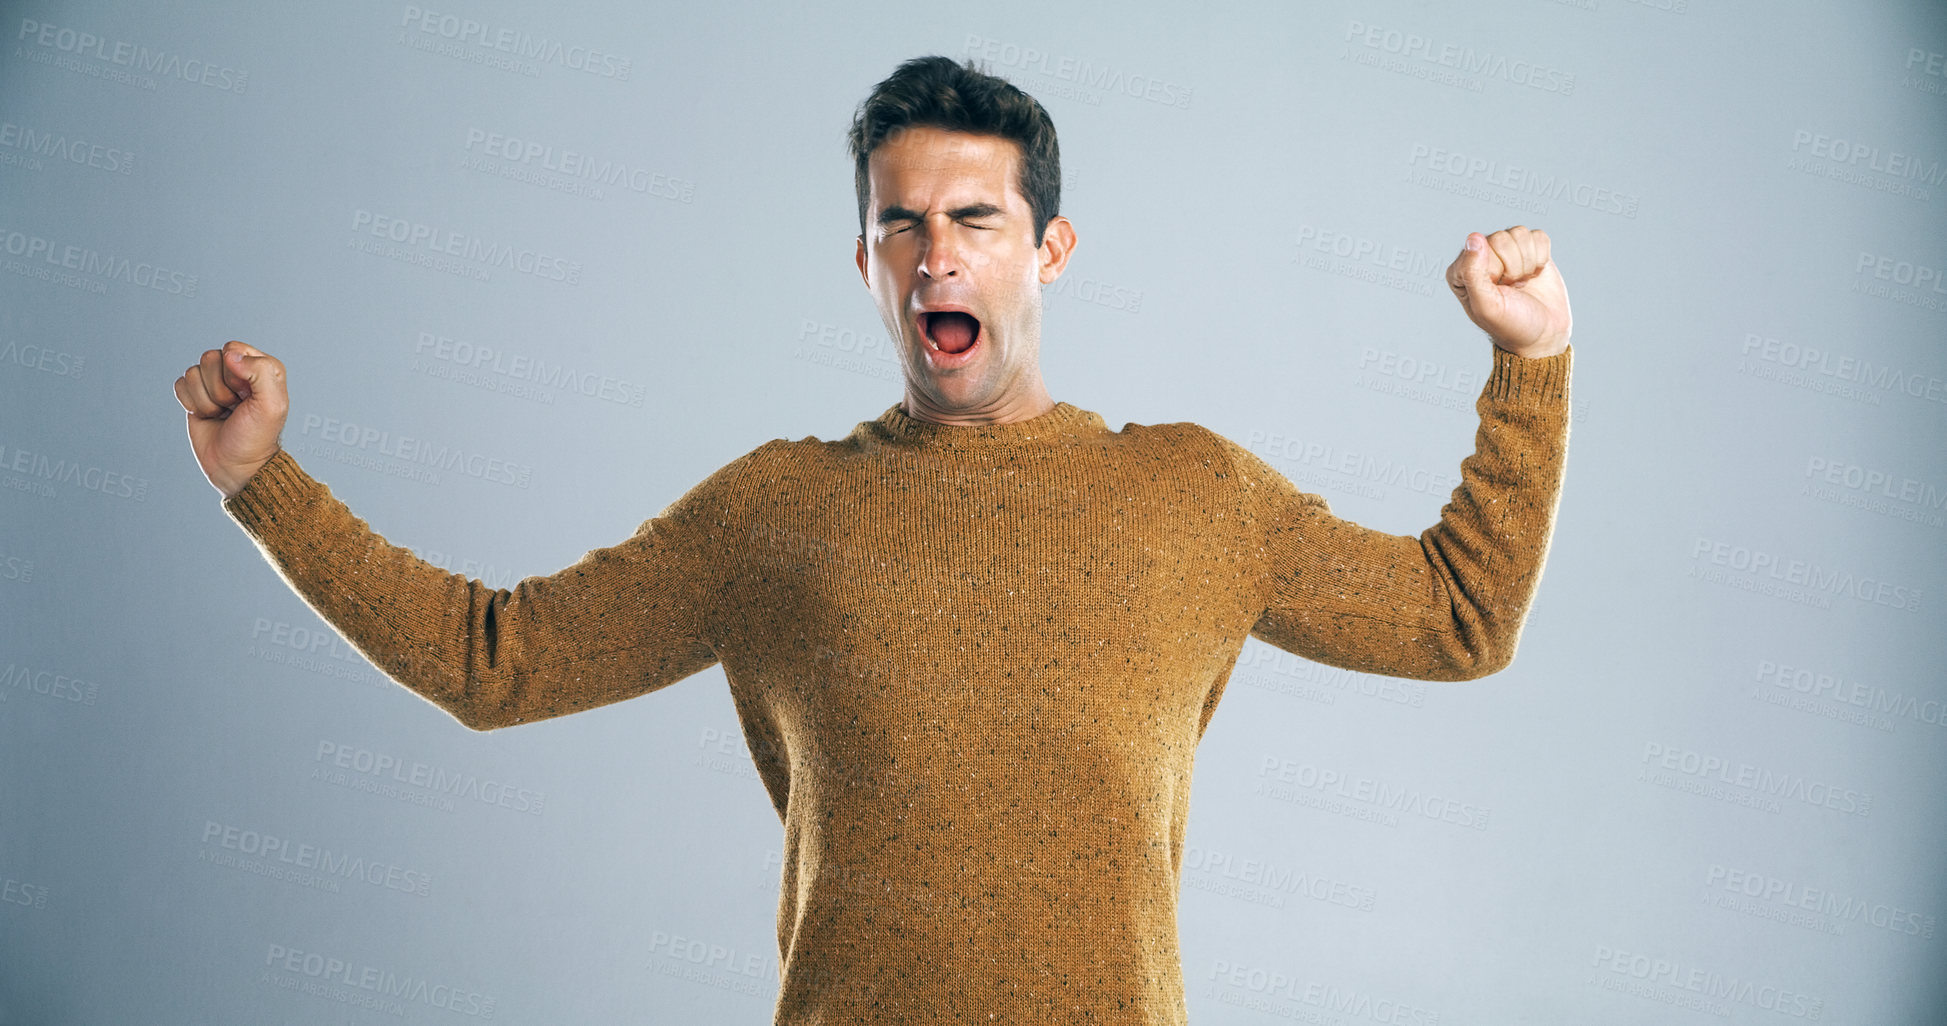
column 238, row 483
column 257, row 480
column 1537, row 351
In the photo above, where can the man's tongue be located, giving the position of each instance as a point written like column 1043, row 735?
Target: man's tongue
column 952, row 330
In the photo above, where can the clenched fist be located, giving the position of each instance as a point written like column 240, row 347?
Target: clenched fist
column 1511, row 290
column 237, row 404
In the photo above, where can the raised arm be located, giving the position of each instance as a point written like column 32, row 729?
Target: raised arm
column 1448, row 605
column 621, row 621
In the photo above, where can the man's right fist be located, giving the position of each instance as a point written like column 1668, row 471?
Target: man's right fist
column 237, row 404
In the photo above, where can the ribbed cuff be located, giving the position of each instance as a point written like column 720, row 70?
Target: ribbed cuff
column 279, row 486
column 1530, row 380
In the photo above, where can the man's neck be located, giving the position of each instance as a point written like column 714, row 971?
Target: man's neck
column 1008, row 410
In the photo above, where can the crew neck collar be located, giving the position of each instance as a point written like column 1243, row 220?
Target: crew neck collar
column 1062, row 419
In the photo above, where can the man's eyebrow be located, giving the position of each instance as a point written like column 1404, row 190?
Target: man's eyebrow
column 899, row 213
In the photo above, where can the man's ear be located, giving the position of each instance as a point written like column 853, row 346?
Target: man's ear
column 1056, row 245
column 861, row 263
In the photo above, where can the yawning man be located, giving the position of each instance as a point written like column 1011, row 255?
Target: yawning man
column 974, row 642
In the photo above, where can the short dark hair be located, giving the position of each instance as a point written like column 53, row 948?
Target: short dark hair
column 935, row 91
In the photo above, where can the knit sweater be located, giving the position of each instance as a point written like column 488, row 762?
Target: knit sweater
column 972, row 664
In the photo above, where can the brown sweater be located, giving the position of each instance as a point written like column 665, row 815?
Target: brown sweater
column 972, row 664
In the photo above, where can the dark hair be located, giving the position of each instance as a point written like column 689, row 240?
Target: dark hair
column 935, row 91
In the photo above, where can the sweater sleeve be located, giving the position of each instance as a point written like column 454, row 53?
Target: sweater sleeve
column 621, row 621
column 1449, row 604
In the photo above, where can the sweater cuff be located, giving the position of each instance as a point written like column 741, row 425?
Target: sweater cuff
column 1531, row 381
column 278, row 487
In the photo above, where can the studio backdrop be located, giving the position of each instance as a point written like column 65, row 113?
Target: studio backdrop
column 534, row 272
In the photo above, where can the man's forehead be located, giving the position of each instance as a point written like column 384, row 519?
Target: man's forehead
column 922, row 150
column 913, row 138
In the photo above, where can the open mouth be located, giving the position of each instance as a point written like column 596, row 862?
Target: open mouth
column 949, row 331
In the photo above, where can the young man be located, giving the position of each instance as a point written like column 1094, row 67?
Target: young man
column 975, row 642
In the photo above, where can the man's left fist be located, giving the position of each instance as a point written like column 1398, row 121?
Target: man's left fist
column 1512, row 291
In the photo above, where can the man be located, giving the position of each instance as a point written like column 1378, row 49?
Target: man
column 974, row 643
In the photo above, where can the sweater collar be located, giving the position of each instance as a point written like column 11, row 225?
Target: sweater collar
column 1064, row 419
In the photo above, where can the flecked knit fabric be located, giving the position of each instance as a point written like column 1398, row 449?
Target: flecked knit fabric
column 972, row 663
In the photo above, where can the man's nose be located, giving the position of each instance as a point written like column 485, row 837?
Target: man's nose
column 940, row 257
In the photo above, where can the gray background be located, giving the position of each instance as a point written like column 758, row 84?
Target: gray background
column 1709, row 789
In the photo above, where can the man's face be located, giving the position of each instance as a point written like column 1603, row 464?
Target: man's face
column 949, row 254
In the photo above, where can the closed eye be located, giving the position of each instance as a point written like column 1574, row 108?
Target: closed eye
column 910, row 225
